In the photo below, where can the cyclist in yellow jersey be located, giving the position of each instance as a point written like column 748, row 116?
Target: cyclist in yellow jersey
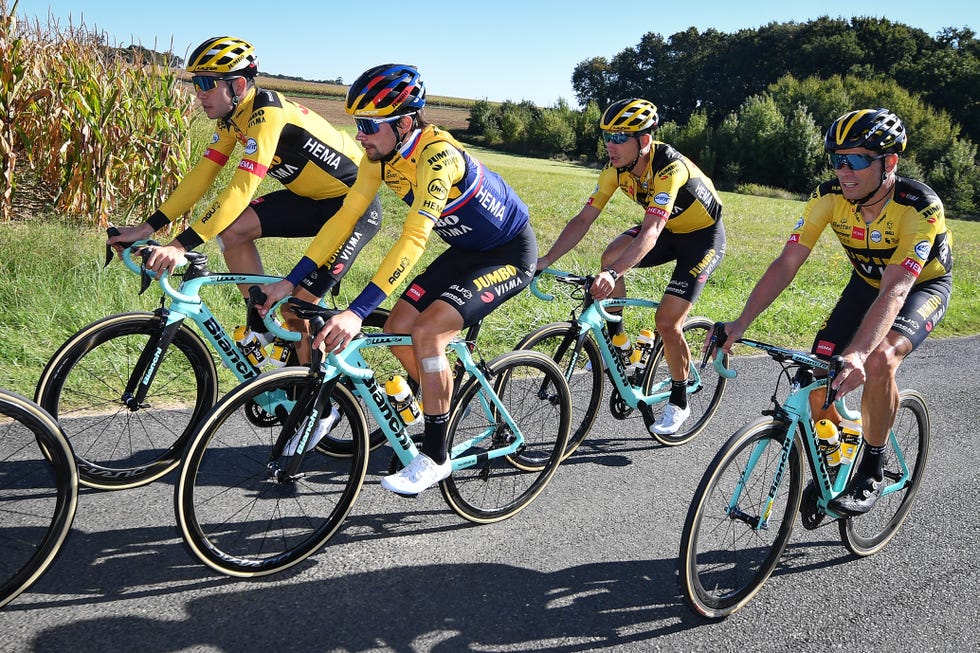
column 894, row 232
column 490, row 258
column 315, row 162
column 681, row 222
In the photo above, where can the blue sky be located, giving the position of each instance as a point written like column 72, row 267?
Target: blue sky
column 496, row 49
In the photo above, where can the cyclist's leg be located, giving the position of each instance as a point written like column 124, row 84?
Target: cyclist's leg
column 237, row 244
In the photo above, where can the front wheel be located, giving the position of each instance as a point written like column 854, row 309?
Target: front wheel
column 534, row 394
column 582, row 368
column 38, row 493
column 117, row 444
column 236, row 513
column 905, row 464
column 727, row 550
column 704, row 387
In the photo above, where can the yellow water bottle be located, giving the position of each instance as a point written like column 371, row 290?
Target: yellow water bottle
column 279, row 352
column 829, row 441
column 850, row 439
column 251, row 345
column 644, row 348
column 402, row 399
column 624, row 347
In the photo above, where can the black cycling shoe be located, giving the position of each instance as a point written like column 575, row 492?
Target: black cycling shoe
column 858, row 497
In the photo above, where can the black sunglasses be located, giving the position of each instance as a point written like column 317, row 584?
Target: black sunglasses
column 203, row 83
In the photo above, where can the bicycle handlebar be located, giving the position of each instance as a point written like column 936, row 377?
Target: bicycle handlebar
column 574, row 279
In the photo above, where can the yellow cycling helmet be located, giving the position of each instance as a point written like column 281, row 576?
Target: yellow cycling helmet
column 878, row 130
column 223, row 55
column 629, row 115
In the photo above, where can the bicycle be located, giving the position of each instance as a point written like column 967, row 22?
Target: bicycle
column 742, row 515
column 128, row 389
column 246, row 509
column 38, row 493
column 583, row 349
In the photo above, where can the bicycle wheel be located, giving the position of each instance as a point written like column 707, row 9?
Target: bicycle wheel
column 705, row 387
column 234, row 514
column 868, row 533
column 557, row 341
column 83, row 387
column 493, row 489
column 724, row 557
column 38, row 493
column 379, row 359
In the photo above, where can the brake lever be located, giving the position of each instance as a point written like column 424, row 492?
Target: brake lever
column 835, row 365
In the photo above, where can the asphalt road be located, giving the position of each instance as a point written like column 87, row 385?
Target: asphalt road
column 591, row 565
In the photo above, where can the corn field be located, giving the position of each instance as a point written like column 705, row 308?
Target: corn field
column 99, row 133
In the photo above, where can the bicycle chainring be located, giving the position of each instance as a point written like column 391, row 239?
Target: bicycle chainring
column 257, row 415
column 618, row 407
column 810, row 514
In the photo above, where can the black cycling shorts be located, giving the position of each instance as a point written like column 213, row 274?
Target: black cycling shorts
column 923, row 309
column 475, row 283
column 284, row 214
column 697, row 253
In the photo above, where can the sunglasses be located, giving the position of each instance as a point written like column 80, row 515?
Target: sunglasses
column 371, row 126
column 203, row 83
column 616, row 138
column 853, row 161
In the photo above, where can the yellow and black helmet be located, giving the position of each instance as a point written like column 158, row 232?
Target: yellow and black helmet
column 223, row 55
column 629, row 115
column 878, row 130
column 386, row 90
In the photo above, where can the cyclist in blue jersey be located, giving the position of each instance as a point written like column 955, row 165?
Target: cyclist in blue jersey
column 491, row 255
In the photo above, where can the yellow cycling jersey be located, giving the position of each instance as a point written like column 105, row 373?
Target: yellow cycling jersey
column 282, row 139
column 672, row 187
column 910, row 231
column 447, row 190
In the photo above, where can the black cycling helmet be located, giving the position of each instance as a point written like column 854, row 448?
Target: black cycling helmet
column 386, row 90
column 878, row 130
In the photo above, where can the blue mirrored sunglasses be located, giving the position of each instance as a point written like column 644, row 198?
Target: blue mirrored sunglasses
column 853, row 161
column 371, row 126
column 203, row 83
column 617, row 138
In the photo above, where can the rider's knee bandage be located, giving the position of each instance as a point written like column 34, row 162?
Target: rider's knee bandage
column 434, row 364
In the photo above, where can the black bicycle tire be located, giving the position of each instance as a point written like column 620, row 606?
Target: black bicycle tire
column 500, row 372
column 93, row 422
column 592, row 378
column 56, row 452
column 699, row 594
column 198, row 538
column 690, row 429
column 864, row 545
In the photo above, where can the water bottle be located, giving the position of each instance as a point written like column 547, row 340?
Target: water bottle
column 644, row 347
column 624, row 347
column 280, row 352
column 252, row 345
column 402, row 399
column 850, row 436
column 829, row 441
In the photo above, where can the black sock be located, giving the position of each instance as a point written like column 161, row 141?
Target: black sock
column 434, row 443
column 678, row 393
column 615, row 328
column 872, row 463
column 254, row 320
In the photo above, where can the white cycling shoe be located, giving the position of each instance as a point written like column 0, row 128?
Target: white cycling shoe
column 422, row 473
column 671, row 421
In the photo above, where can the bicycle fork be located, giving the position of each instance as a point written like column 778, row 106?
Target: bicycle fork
column 761, row 521
column 138, row 386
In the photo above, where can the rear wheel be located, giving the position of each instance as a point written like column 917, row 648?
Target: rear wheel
column 535, row 396
column 704, row 387
column 905, row 464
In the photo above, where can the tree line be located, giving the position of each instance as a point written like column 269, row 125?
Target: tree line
column 752, row 107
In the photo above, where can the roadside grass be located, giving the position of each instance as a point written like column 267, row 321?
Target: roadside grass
column 52, row 282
